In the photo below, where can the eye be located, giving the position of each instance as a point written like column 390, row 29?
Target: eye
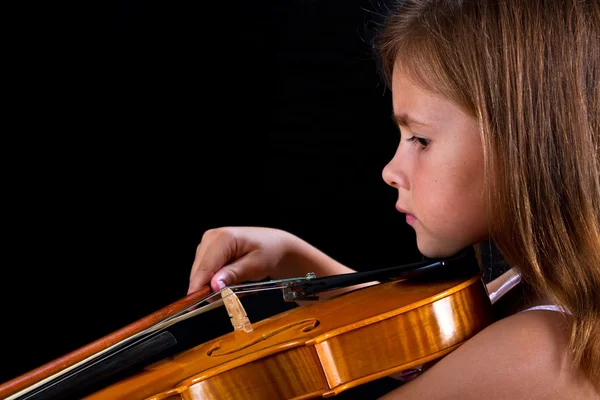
column 419, row 141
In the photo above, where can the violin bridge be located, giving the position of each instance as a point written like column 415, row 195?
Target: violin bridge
column 236, row 311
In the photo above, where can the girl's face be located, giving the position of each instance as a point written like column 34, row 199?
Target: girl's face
column 437, row 169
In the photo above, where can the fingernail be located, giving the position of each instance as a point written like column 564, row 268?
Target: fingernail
column 221, row 280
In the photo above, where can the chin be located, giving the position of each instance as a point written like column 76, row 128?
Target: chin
column 438, row 250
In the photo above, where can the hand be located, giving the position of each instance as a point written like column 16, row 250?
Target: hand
column 232, row 255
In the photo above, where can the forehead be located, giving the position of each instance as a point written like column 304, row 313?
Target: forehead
column 407, row 93
column 418, row 102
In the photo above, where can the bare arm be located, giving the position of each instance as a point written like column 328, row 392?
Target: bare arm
column 520, row 357
column 229, row 256
column 302, row 258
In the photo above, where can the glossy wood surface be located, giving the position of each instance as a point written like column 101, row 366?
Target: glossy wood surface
column 60, row 364
column 322, row 349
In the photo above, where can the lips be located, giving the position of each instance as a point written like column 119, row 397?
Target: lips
column 400, row 209
column 410, row 219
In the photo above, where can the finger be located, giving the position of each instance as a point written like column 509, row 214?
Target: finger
column 212, row 255
column 200, row 250
column 197, row 265
column 197, row 268
column 242, row 270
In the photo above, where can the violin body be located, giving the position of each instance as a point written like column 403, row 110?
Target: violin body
column 321, row 349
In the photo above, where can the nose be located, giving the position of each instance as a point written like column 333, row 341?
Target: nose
column 394, row 173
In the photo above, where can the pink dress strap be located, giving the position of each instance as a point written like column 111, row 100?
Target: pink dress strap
column 547, row 307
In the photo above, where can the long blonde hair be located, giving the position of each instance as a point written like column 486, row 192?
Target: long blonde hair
column 528, row 71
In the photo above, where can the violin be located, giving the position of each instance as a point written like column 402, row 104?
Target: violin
column 420, row 313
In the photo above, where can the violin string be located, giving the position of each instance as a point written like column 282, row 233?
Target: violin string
column 125, row 344
column 182, row 315
column 177, row 317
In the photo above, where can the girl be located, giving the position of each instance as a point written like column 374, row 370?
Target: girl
column 497, row 103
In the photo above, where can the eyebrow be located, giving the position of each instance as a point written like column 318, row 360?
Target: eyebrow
column 406, row 120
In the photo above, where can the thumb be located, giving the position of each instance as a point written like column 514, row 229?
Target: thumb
column 242, row 270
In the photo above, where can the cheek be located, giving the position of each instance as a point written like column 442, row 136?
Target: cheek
column 435, row 197
column 448, row 196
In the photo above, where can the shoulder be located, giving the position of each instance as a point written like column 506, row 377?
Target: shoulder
column 523, row 356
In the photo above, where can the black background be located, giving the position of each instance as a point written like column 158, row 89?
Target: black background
column 138, row 125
